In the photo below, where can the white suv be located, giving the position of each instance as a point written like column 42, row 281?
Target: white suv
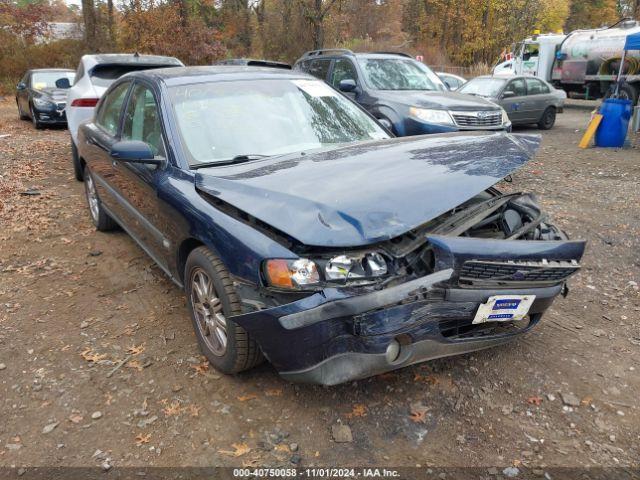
column 95, row 74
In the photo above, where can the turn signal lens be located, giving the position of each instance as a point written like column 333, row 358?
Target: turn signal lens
column 299, row 273
column 84, row 102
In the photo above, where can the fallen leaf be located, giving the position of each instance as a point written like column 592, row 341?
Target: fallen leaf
column 90, row 356
column 418, row 412
column 75, row 418
column 358, row 410
column 134, row 364
column 201, row 368
column 239, row 449
column 246, row 398
column 173, row 409
column 282, row 447
column 274, row 392
column 535, row 400
column 142, row 439
column 194, row 410
column 135, row 349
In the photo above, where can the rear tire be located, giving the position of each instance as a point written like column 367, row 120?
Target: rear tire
column 548, row 119
column 627, row 91
column 77, row 164
column 102, row 221
column 212, row 299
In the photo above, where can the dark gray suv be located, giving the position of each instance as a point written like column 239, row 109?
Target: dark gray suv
column 402, row 93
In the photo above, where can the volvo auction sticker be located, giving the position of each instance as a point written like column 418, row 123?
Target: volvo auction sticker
column 504, row 308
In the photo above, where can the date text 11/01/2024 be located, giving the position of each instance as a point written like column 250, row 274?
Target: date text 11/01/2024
column 315, row 473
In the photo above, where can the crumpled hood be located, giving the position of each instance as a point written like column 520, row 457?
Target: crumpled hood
column 439, row 100
column 367, row 192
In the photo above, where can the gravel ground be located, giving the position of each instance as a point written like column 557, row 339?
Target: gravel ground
column 75, row 304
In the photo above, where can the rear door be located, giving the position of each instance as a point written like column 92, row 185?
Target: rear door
column 538, row 98
column 319, row 68
column 100, row 137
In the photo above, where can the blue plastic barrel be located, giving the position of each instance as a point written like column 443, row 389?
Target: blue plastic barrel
column 616, row 114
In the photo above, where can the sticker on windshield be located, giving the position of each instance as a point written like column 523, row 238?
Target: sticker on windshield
column 315, row 88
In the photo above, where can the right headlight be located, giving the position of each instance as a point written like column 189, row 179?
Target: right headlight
column 431, row 116
column 302, row 273
column 42, row 103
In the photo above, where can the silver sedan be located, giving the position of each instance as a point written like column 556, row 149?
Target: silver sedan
column 526, row 99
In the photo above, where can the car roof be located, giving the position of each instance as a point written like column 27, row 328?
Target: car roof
column 129, row 58
column 338, row 52
column 217, row 73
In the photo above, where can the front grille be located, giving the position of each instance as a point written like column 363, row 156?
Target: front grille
column 483, row 273
column 478, row 119
column 465, row 329
column 61, row 105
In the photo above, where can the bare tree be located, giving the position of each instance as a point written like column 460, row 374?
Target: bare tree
column 90, row 27
column 315, row 11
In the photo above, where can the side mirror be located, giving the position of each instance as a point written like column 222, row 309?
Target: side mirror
column 347, row 85
column 508, row 94
column 134, row 151
column 385, row 123
column 21, row 86
column 63, row 83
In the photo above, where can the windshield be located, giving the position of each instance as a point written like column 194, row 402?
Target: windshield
column 485, row 87
column 399, row 74
column 43, row 80
column 221, row 120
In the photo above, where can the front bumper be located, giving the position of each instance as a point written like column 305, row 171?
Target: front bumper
column 416, row 127
column 336, row 335
column 50, row 116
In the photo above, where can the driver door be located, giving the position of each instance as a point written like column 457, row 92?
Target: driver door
column 139, row 182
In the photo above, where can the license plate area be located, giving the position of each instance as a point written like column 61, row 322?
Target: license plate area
column 504, row 308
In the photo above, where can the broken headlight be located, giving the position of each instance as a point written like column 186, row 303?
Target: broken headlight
column 348, row 267
column 300, row 274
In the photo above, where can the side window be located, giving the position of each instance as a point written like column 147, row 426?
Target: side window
column 320, row 68
column 534, row 87
column 108, row 117
column 303, row 66
column 517, row 86
column 343, row 69
column 142, row 120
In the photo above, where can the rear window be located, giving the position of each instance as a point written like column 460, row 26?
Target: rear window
column 105, row 75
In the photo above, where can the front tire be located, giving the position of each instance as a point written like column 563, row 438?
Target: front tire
column 21, row 114
column 212, row 300
column 34, row 118
column 102, row 221
column 548, row 119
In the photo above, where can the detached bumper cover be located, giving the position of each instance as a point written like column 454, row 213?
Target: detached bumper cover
column 336, row 336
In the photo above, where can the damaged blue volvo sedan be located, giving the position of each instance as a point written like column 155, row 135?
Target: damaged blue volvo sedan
column 303, row 233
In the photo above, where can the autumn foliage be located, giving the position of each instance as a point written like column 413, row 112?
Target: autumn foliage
column 465, row 33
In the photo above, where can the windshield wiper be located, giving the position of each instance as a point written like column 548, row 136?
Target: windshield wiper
column 232, row 161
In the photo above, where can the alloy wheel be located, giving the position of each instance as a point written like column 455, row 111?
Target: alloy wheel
column 92, row 198
column 207, row 309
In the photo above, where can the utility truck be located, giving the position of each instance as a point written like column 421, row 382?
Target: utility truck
column 583, row 63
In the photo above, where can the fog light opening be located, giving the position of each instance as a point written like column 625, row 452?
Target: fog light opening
column 393, row 351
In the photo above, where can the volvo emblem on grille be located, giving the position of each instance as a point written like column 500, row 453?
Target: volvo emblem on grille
column 519, row 275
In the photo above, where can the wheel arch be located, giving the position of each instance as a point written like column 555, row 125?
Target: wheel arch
column 186, row 247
